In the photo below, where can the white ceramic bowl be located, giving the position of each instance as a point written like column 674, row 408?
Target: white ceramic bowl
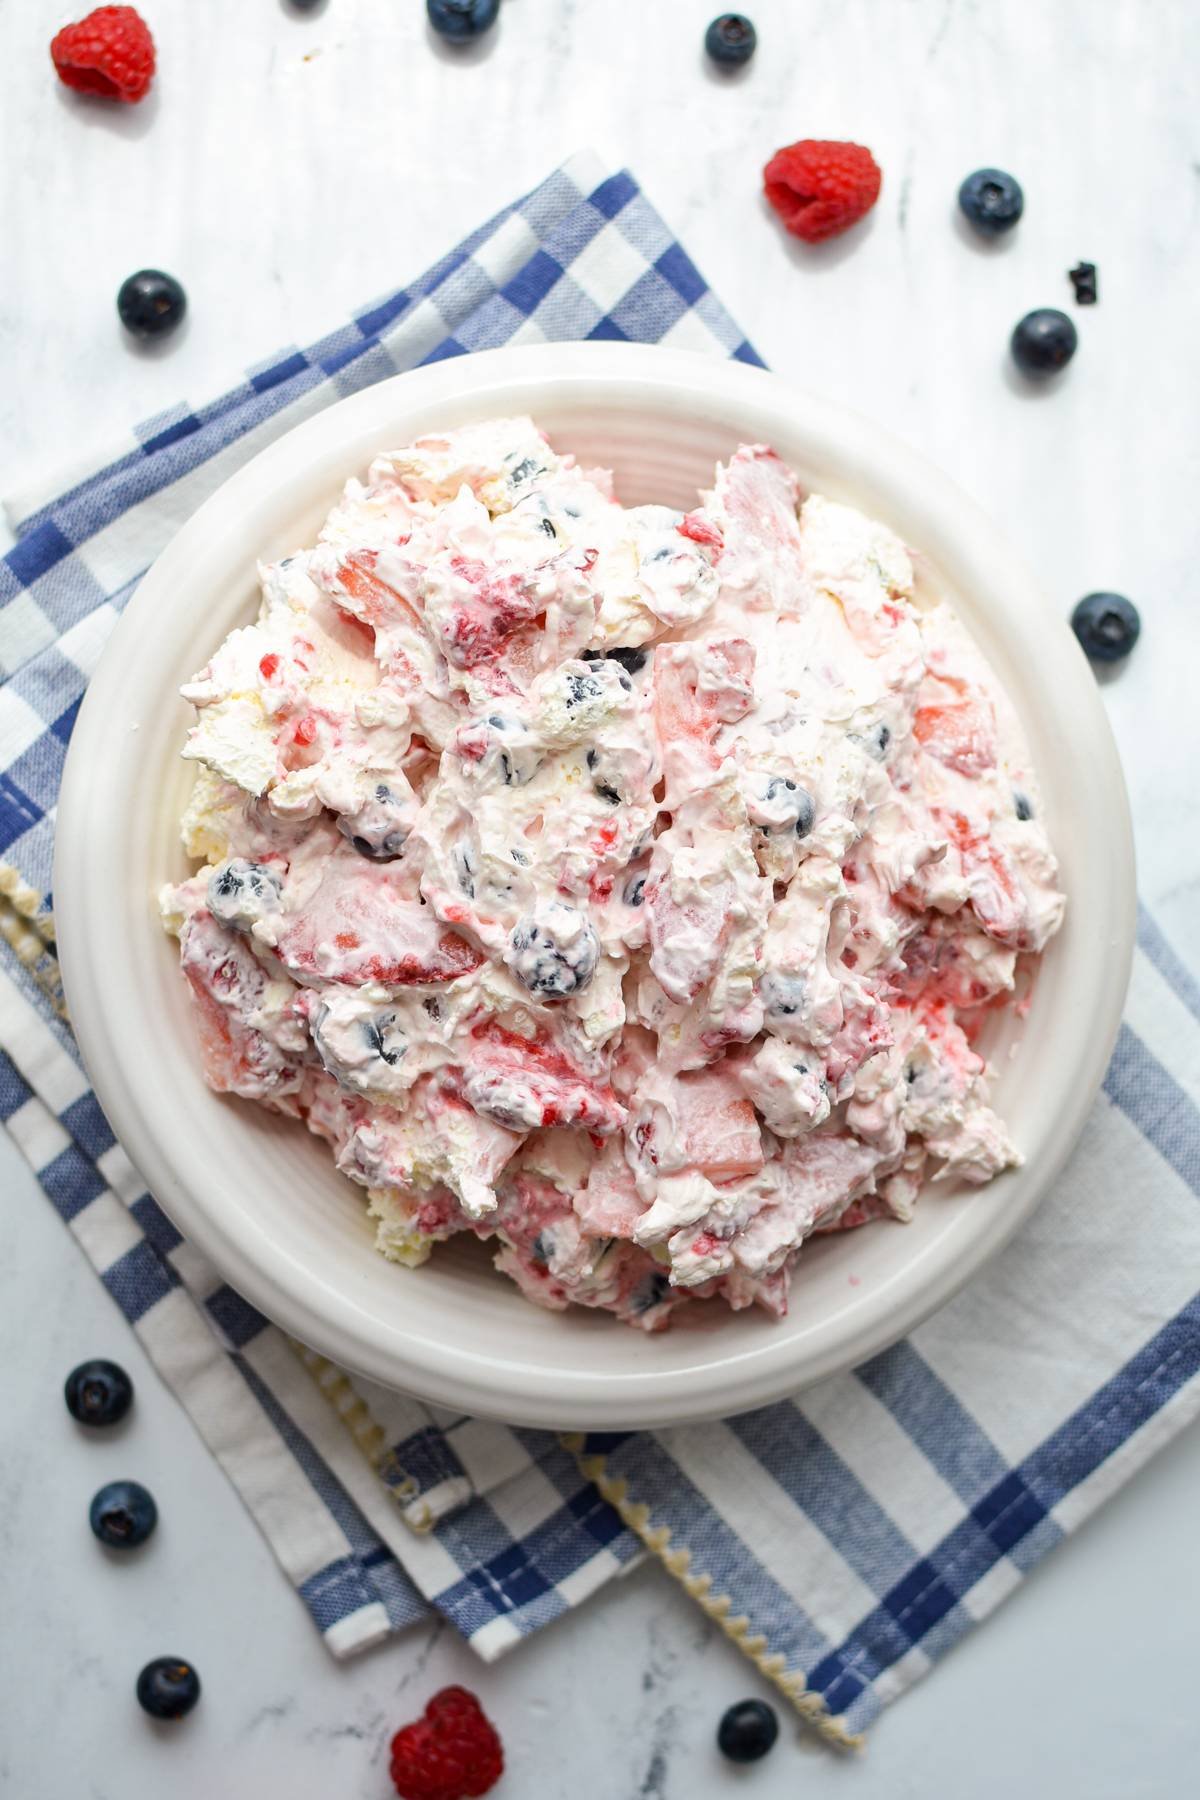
column 261, row 1197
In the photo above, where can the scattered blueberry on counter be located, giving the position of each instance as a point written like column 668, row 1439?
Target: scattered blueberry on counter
column 168, row 1688
column 1083, row 279
column 150, row 303
column 991, row 201
column 731, row 39
column 98, row 1393
column 460, row 20
column 747, row 1731
column 123, row 1515
column 1044, row 342
column 1107, row 626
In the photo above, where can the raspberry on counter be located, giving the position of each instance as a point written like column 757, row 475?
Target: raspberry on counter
column 451, row 1753
column 820, row 188
column 109, row 53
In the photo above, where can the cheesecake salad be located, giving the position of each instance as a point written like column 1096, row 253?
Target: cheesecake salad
column 624, row 886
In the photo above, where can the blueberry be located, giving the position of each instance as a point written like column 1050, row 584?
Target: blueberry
column 992, row 201
column 460, row 20
column 1023, row 807
column 878, row 742
column 1044, row 342
column 649, row 1293
column 747, row 1731
column 168, row 1688
column 150, row 303
column 581, row 688
column 542, row 1248
column 379, row 829
column 384, row 1038
column 554, row 955
column 98, row 1393
column 239, row 892
column 1107, row 625
column 782, row 995
column 731, row 39
column 630, row 660
column 123, row 1515
column 784, row 806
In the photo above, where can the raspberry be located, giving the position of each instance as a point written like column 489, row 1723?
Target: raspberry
column 452, row 1753
column 110, row 53
column 820, row 188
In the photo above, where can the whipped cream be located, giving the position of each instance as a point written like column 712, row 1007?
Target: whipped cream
column 627, row 887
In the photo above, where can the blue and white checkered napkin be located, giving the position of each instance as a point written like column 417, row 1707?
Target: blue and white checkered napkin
column 845, row 1541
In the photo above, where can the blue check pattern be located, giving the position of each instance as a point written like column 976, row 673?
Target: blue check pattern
column 847, row 1539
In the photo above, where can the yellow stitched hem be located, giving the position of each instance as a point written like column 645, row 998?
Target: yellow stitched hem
column 367, row 1433
column 678, row 1562
column 30, row 935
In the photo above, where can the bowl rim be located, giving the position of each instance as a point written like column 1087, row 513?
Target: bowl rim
column 1103, row 918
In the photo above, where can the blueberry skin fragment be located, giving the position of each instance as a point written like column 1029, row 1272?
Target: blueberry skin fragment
column 747, row 1731
column 123, row 1514
column 1023, row 807
column 98, row 1393
column 1044, row 342
column 1107, row 626
column 635, row 891
column 991, row 201
column 459, row 21
column 168, row 1688
column 1083, row 279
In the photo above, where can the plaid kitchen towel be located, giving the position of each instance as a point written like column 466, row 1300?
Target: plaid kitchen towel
column 845, row 1541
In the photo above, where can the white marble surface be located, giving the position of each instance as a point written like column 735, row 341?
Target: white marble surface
column 264, row 125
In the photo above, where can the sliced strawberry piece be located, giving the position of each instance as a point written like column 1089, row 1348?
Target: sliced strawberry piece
column 361, row 925
column 228, row 983
column 360, row 591
column 700, row 687
column 686, row 941
column 718, row 1128
column 494, row 607
column 525, row 1083
column 961, row 735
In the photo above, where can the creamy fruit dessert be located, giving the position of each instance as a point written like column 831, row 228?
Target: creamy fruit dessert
column 624, row 886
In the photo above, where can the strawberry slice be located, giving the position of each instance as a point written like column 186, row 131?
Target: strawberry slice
column 361, row 925
column 228, row 984
column 360, row 591
column 526, row 1083
column 717, row 1127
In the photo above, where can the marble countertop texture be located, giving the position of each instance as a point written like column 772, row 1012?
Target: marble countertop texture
column 290, row 166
